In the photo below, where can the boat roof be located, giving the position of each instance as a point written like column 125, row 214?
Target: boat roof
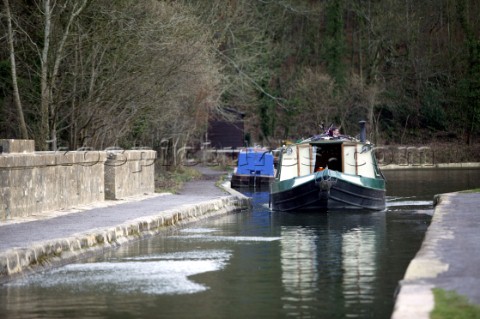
column 327, row 139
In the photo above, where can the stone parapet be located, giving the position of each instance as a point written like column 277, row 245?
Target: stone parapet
column 129, row 173
column 44, row 181
column 17, row 146
column 35, row 182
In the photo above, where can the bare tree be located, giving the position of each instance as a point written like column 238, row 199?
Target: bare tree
column 13, row 68
column 147, row 69
column 50, row 71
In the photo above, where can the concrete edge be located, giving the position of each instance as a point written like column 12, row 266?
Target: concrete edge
column 414, row 298
column 414, row 301
column 57, row 252
column 226, row 187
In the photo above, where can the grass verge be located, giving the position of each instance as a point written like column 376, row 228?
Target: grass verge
column 449, row 304
column 172, row 181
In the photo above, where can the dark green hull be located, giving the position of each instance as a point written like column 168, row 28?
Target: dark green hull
column 328, row 190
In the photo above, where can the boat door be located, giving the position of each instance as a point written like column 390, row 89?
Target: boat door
column 328, row 155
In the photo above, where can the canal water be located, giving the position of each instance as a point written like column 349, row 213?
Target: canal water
column 256, row 264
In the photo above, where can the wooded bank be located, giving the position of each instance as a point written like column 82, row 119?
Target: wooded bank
column 97, row 73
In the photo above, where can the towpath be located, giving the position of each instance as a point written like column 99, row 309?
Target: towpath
column 448, row 259
column 64, row 235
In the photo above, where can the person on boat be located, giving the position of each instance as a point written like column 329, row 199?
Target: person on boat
column 334, row 132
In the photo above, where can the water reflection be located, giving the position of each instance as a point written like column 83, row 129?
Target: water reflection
column 359, row 265
column 299, row 269
column 421, row 184
column 330, row 261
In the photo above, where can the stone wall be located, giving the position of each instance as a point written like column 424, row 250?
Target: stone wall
column 35, row 182
column 17, row 146
column 129, row 173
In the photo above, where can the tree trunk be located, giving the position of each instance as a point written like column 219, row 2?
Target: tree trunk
column 16, row 92
column 45, row 92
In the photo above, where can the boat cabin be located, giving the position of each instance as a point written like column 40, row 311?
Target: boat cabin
column 345, row 156
column 255, row 162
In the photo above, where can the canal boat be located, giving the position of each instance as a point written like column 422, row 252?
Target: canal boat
column 255, row 168
column 325, row 173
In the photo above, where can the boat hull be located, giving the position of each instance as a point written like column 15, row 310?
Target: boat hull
column 328, row 190
column 250, row 181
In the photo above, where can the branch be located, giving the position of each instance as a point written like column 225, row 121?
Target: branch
column 255, row 84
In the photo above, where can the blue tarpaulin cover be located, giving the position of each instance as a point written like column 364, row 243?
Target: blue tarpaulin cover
column 251, row 162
